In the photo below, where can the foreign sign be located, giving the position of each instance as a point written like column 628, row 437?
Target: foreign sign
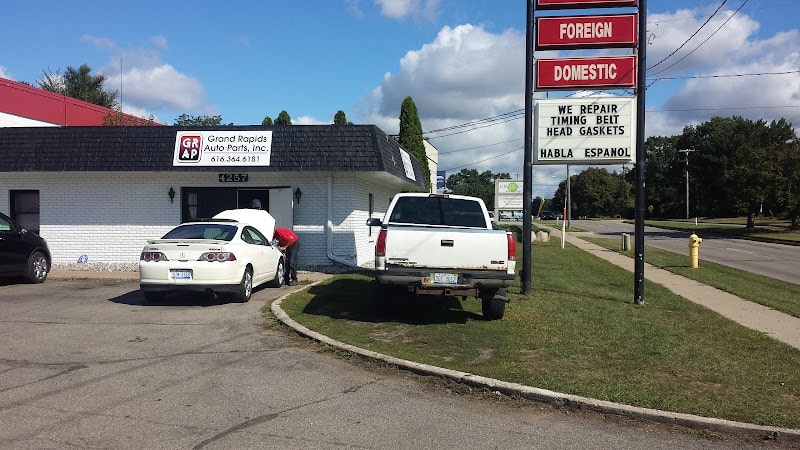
column 222, row 148
column 588, row 131
column 602, row 72
column 566, row 33
column 568, row 4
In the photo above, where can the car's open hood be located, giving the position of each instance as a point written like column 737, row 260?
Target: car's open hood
column 258, row 218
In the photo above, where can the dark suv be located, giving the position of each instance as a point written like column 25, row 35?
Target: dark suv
column 22, row 252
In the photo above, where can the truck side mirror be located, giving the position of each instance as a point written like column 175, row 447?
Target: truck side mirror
column 374, row 222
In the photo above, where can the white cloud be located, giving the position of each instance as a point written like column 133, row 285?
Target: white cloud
column 147, row 85
column 160, row 87
column 468, row 73
column 5, row 74
column 400, row 9
column 159, row 42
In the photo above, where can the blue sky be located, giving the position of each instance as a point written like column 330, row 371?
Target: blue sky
column 461, row 61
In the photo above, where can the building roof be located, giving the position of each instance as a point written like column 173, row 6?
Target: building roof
column 300, row 148
column 25, row 101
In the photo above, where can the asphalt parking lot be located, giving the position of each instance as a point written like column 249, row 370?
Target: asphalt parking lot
column 90, row 364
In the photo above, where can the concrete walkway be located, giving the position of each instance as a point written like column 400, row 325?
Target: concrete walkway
column 778, row 325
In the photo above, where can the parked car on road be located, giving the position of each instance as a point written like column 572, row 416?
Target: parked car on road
column 550, row 215
column 229, row 254
column 22, row 252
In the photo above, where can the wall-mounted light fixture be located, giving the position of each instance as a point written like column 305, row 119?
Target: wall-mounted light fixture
column 297, row 194
column 171, row 194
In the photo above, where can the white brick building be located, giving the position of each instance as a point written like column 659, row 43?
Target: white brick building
column 98, row 193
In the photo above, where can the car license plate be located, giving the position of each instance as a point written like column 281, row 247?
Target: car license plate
column 445, row 278
column 180, row 274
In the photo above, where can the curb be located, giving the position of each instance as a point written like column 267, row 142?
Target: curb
column 546, row 396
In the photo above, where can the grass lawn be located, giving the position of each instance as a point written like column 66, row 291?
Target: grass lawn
column 767, row 291
column 579, row 333
column 765, row 228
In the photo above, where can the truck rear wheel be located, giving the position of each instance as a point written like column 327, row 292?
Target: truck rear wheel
column 493, row 309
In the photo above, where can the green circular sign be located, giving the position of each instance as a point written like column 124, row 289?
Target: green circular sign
column 512, row 187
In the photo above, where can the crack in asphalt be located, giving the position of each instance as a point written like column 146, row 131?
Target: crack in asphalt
column 267, row 417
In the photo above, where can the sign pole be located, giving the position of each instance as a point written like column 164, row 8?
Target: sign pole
column 527, row 173
column 638, row 282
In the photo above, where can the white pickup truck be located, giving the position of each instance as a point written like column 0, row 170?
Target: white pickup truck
column 441, row 244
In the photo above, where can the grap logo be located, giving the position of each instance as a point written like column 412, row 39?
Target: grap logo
column 190, row 148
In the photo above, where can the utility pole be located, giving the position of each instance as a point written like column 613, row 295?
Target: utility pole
column 527, row 165
column 686, row 158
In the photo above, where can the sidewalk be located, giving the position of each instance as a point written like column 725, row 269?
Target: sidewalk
column 775, row 324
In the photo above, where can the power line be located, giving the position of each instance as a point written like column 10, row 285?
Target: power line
column 690, row 37
column 704, row 41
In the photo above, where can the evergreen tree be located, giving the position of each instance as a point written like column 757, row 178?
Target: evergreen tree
column 283, row 118
column 267, row 121
column 81, row 84
column 410, row 137
column 340, row 118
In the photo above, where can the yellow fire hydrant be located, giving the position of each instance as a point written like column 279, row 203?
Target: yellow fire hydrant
column 694, row 251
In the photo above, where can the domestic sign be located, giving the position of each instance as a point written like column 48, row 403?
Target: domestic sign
column 587, row 131
column 574, row 32
column 603, row 72
column 222, row 148
column 568, row 4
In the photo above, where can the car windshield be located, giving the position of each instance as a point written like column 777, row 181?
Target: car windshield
column 202, row 231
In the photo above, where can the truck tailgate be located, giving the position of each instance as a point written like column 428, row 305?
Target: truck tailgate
column 420, row 247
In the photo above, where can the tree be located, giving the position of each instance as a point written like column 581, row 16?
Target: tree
column 410, row 137
column 593, row 193
column 736, row 163
column 470, row 182
column 79, row 83
column 199, row 121
column 118, row 118
column 340, row 118
column 267, row 121
column 283, row 118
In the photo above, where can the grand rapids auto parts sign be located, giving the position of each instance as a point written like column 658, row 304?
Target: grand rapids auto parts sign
column 585, row 131
column 222, row 148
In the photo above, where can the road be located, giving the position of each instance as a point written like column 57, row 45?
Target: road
column 777, row 261
column 89, row 364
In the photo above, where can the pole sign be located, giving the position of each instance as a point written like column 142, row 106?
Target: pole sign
column 576, row 32
column 569, row 4
column 585, row 131
column 603, row 72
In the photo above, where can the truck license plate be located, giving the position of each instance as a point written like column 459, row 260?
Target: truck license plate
column 445, row 278
column 180, row 274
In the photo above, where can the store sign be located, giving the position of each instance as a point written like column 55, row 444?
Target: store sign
column 222, row 148
column 606, row 72
column 585, row 131
column 567, row 4
column 574, row 32
column 509, row 187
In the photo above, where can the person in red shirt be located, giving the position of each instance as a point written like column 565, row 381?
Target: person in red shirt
column 289, row 244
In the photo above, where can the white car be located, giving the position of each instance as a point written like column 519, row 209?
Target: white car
column 229, row 254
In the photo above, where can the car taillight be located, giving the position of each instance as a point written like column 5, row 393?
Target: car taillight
column 217, row 256
column 380, row 245
column 152, row 256
column 512, row 247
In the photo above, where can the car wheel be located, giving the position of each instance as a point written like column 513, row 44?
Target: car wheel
column 153, row 297
column 37, row 268
column 280, row 273
column 493, row 309
column 245, row 287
